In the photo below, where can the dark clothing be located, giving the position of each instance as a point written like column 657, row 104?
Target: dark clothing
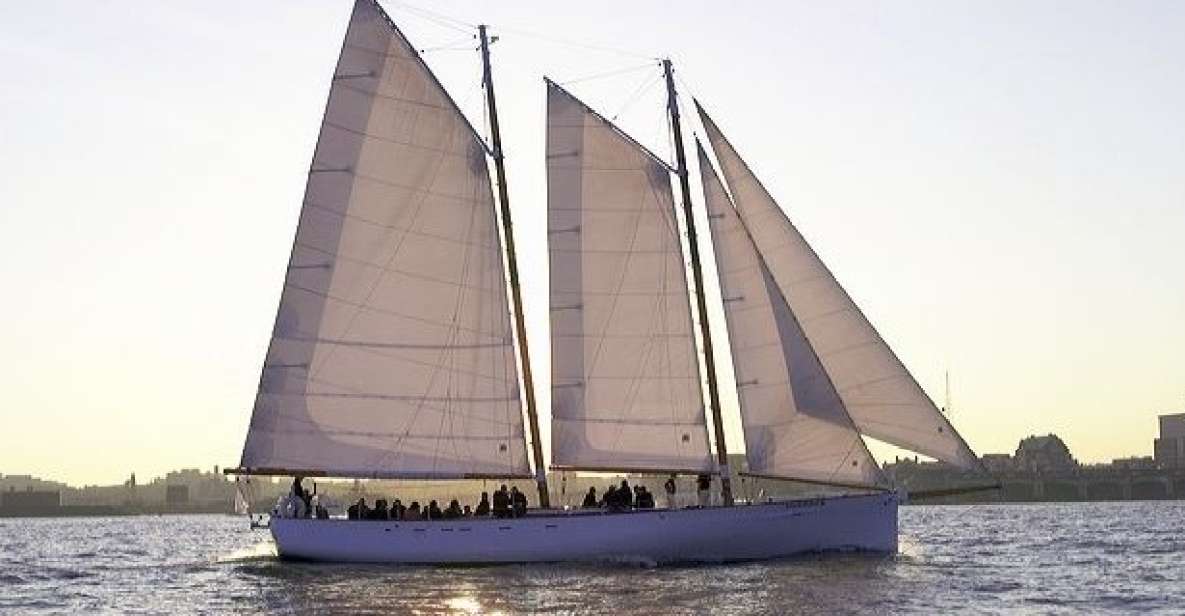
column 483, row 507
column 625, row 497
column 501, row 504
column 434, row 512
column 645, row 499
column 518, row 502
column 669, row 486
column 590, row 499
column 352, row 512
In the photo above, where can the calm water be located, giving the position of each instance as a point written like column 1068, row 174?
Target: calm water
column 1065, row 558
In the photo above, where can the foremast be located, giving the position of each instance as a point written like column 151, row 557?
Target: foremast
column 698, row 277
column 512, row 270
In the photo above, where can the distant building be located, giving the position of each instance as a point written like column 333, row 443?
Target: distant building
column 176, row 495
column 30, row 500
column 1169, row 449
column 1043, row 454
column 997, row 462
column 1134, row 463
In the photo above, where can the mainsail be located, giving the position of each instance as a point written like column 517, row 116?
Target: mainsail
column 626, row 389
column 795, row 424
column 879, row 393
column 392, row 353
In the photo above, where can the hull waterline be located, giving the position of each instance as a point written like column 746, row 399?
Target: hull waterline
column 866, row 523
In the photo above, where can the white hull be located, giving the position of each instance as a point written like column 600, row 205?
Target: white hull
column 713, row 534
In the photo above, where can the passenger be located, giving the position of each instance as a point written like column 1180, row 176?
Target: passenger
column 380, row 510
column 413, row 512
column 434, row 512
column 638, row 489
column 625, row 497
column 363, row 510
column 609, row 500
column 645, row 498
column 669, row 487
column 483, row 507
column 590, row 499
column 518, row 502
column 397, row 510
column 703, row 487
column 352, row 512
column 453, row 511
column 467, row 513
column 501, row 502
column 322, row 512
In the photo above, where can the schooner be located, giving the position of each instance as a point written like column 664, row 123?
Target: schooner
column 399, row 348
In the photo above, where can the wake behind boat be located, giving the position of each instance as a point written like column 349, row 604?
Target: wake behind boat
column 394, row 349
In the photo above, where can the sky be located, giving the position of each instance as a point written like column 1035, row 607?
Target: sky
column 998, row 185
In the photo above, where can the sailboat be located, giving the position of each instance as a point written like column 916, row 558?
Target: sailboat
column 399, row 347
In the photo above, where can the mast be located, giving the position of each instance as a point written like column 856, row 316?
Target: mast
column 512, row 267
column 698, row 276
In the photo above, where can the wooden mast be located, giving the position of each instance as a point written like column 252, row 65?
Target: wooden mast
column 512, row 266
column 698, row 276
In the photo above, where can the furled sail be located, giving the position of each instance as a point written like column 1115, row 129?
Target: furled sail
column 392, row 353
column 795, row 424
column 879, row 393
column 626, row 391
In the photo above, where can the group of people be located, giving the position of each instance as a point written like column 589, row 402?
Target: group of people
column 622, row 498
column 506, row 503
column 619, row 498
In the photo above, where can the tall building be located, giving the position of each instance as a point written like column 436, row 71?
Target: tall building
column 1043, row 454
column 1169, row 449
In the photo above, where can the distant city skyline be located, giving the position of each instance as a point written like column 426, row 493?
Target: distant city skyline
column 997, row 185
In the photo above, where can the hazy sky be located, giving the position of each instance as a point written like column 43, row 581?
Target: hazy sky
column 999, row 185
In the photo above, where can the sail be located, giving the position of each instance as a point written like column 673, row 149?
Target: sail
column 877, row 390
column 795, row 424
column 392, row 353
column 626, row 391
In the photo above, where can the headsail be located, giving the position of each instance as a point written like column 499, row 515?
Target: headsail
column 626, row 390
column 795, row 425
column 879, row 393
column 392, row 353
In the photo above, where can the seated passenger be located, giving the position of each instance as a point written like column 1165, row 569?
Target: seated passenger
column 645, row 498
column 590, row 499
column 380, row 510
column 501, row 502
column 467, row 513
column 434, row 512
column 453, row 511
column 518, row 502
column 363, row 510
column 625, row 496
column 397, row 510
column 609, row 500
column 352, row 512
column 413, row 512
column 483, row 507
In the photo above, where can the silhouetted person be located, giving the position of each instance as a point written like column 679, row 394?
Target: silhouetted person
column 397, row 510
column 590, row 499
column 609, row 499
column 363, row 510
column 467, row 512
column 703, row 487
column 518, row 502
column 380, row 510
column 434, row 512
column 483, row 507
column 501, row 502
column 645, row 499
column 670, row 487
column 352, row 512
column 453, row 511
column 625, row 497
column 413, row 512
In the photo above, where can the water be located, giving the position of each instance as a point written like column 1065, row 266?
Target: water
column 1044, row 558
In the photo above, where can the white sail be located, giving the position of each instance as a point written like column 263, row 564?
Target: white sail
column 879, row 393
column 795, row 424
column 392, row 353
column 626, row 391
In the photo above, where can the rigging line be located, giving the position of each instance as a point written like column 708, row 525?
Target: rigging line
column 439, row 19
column 571, row 43
column 451, row 45
column 637, row 94
column 610, row 73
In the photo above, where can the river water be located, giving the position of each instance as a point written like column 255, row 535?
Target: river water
column 1032, row 558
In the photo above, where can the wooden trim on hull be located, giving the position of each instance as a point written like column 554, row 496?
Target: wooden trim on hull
column 816, row 482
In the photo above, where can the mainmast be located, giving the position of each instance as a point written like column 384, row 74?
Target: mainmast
column 512, row 267
column 698, row 276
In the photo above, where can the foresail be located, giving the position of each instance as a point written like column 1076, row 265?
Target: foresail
column 879, row 393
column 626, row 390
column 795, row 425
column 392, row 353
